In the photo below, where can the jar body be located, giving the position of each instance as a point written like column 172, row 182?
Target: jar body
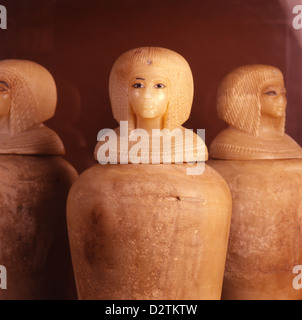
column 265, row 237
column 148, row 232
column 34, row 245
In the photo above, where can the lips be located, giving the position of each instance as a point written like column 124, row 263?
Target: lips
column 148, row 105
column 149, row 109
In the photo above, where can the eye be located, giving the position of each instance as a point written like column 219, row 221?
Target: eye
column 138, row 86
column 159, row 86
column 271, row 93
column 4, row 87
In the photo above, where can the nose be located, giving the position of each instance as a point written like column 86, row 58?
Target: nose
column 282, row 99
column 147, row 94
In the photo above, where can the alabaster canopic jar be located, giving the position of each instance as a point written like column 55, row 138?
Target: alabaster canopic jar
column 35, row 181
column 140, row 230
column 263, row 168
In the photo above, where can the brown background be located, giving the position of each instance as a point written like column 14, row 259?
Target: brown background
column 78, row 41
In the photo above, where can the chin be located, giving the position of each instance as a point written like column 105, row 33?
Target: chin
column 148, row 115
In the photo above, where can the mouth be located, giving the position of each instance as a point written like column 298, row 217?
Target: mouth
column 280, row 112
column 148, row 106
column 149, row 110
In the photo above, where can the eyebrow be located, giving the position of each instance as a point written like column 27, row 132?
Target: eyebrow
column 140, row 79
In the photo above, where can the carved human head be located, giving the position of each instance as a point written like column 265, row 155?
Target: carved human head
column 32, row 92
column 171, row 66
column 239, row 97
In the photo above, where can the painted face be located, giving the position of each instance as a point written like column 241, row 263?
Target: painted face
column 149, row 93
column 273, row 99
